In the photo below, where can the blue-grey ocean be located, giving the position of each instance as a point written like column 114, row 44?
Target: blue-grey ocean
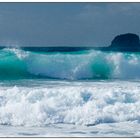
column 69, row 94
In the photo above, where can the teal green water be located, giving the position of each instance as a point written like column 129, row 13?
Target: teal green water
column 19, row 64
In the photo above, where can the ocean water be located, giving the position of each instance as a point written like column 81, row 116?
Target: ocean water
column 69, row 94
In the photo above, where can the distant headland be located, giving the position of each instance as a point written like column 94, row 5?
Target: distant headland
column 125, row 42
column 128, row 42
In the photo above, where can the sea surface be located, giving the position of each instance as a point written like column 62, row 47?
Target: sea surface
column 69, row 94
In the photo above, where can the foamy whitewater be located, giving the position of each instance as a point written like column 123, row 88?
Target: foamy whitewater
column 77, row 94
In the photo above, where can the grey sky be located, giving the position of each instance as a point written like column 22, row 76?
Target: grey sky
column 66, row 24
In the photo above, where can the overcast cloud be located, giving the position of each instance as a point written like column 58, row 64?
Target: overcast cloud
column 66, row 24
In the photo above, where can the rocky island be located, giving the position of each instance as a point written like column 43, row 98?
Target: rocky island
column 128, row 42
column 125, row 42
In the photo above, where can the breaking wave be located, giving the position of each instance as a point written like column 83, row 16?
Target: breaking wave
column 16, row 64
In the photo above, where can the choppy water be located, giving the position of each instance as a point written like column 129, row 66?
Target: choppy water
column 69, row 94
column 64, row 108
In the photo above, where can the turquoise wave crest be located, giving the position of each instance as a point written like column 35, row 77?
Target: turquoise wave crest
column 90, row 64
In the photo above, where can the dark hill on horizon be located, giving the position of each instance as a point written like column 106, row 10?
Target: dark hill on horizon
column 128, row 42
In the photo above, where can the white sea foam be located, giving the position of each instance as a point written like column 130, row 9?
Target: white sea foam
column 83, row 104
column 18, row 52
column 91, row 65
